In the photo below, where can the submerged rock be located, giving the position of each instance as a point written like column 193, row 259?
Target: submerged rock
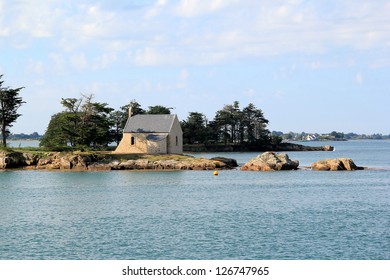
column 337, row 164
column 270, row 161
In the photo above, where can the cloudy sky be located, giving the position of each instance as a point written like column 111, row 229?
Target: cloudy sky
column 313, row 66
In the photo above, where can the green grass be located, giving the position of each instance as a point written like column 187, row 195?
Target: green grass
column 5, row 149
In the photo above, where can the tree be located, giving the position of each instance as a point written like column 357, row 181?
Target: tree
column 255, row 124
column 135, row 109
column 195, row 128
column 119, row 118
column 82, row 123
column 222, row 123
column 156, row 110
column 10, row 102
column 236, row 126
column 59, row 132
column 337, row 135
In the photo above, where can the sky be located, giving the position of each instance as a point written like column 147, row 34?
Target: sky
column 310, row 66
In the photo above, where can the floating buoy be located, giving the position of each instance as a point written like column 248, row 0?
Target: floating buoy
column 215, row 173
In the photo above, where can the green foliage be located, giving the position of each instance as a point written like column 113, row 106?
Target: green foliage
column 231, row 125
column 195, row 129
column 135, row 109
column 337, row 135
column 235, row 126
column 10, row 101
column 119, row 118
column 83, row 124
column 276, row 140
column 156, row 110
column 6, row 150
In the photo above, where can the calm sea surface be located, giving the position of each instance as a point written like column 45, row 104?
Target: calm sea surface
column 194, row 215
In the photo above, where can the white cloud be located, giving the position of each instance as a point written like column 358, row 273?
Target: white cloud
column 105, row 60
column 36, row 67
column 193, row 8
column 198, row 32
column 58, row 61
column 359, row 78
column 250, row 93
column 183, row 79
column 155, row 9
column 31, row 17
column 79, row 61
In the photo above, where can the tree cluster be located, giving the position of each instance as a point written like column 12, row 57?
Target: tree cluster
column 85, row 123
column 231, row 125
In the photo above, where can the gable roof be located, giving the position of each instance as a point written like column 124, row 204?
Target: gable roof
column 150, row 123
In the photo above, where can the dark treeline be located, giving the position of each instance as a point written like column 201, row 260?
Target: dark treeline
column 85, row 123
column 231, row 125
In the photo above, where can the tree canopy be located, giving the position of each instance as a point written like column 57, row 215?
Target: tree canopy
column 157, row 110
column 10, row 102
column 82, row 123
column 231, row 125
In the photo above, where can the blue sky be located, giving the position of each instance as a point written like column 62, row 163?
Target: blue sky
column 312, row 66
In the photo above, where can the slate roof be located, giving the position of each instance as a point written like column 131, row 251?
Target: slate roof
column 149, row 124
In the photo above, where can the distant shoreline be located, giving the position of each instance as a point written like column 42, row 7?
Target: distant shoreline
column 282, row 147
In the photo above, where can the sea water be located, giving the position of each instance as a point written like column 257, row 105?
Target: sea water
column 285, row 215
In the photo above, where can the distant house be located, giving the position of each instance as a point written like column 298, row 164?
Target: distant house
column 311, row 137
column 152, row 134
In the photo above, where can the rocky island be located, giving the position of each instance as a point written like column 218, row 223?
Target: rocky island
column 95, row 161
column 270, row 161
column 105, row 161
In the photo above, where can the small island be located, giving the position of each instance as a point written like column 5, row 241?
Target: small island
column 79, row 137
column 104, row 161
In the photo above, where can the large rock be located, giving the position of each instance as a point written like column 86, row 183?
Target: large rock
column 230, row 162
column 11, row 160
column 270, row 161
column 336, row 164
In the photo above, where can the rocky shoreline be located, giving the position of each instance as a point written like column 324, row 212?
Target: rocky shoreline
column 108, row 161
column 79, row 161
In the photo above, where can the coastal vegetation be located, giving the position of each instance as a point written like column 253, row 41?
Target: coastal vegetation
column 231, row 125
column 85, row 124
column 10, row 101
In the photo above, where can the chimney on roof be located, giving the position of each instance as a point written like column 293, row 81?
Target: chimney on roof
column 130, row 111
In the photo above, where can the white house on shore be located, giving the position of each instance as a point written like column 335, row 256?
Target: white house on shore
column 151, row 134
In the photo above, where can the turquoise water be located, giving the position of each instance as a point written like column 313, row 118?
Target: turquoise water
column 194, row 215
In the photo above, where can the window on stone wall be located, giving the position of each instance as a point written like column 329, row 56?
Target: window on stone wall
column 132, row 140
column 177, row 141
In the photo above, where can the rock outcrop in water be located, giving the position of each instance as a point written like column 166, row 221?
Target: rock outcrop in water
column 270, row 161
column 231, row 162
column 337, row 164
